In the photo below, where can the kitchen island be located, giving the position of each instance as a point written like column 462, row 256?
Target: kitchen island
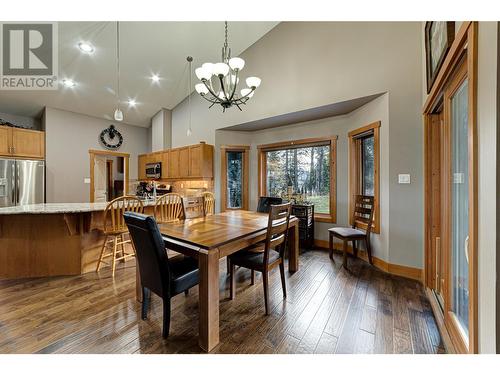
column 51, row 239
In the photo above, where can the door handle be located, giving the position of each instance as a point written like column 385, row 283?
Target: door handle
column 466, row 249
column 14, row 184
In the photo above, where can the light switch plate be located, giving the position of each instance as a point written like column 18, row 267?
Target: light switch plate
column 86, row 180
column 404, row 178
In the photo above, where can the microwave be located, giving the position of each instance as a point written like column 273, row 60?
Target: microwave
column 153, row 170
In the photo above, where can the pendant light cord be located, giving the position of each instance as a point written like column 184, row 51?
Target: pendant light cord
column 118, row 60
column 190, row 73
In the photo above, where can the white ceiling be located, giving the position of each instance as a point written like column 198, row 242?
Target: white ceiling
column 145, row 48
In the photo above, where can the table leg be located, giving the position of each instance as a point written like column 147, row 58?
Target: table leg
column 293, row 248
column 209, row 299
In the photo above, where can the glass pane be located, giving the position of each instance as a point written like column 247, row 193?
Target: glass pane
column 302, row 174
column 234, row 176
column 368, row 160
column 460, row 207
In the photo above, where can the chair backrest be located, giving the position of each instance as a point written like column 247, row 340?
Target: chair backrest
column 194, row 208
column 113, row 214
column 209, row 202
column 277, row 229
column 168, row 208
column 150, row 253
column 364, row 206
column 265, row 203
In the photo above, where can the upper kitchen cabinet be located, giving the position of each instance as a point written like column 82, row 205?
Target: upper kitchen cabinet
column 188, row 162
column 22, row 143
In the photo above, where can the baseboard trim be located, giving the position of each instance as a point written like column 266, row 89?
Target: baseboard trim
column 394, row 269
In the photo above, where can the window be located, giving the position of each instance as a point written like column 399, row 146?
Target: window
column 363, row 167
column 234, row 181
column 303, row 169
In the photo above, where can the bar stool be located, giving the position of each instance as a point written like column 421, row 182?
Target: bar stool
column 168, row 208
column 114, row 228
column 209, row 202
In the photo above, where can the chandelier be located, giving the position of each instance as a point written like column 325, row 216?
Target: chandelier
column 220, row 80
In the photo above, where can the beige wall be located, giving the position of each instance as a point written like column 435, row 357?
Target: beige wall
column 310, row 64
column 377, row 110
column 69, row 137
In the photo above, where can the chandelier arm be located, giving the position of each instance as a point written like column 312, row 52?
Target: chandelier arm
column 222, row 86
column 237, row 105
column 210, row 89
column 235, row 84
column 209, row 99
column 246, row 96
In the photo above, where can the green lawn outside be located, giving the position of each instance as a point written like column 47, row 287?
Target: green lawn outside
column 321, row 203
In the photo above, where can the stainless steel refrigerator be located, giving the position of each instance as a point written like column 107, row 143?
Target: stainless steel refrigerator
column 21, row 182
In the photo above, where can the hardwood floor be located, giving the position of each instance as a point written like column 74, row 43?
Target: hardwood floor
column 328, row 310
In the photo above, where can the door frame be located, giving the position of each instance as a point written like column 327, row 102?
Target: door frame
column 465, row 43
column 245, row 150
column 125, row 156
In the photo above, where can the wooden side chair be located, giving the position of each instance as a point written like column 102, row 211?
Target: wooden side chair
column 168, row 208
column 209, row 202
column 114, row 228
column 363, row 214
column 263, row 257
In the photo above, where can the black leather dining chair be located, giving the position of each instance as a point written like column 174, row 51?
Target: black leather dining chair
column 163, row 276
column 265, row 203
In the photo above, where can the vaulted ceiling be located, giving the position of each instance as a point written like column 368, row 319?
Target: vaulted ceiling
column 146, row 48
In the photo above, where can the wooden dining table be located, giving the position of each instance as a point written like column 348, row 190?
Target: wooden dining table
column 209, row 239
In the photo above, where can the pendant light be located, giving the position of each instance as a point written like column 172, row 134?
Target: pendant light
column 118, row 115
column 190, row 61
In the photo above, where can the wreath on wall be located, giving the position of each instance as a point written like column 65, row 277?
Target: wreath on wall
column 111, row 138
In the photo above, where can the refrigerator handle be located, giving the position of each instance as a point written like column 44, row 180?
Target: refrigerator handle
column 13, row 192
column 17, row 185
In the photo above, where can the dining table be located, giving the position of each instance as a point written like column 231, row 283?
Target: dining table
column 209, row 239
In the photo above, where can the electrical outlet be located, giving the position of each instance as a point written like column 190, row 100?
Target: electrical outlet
column 404, row 179
column 86, row 180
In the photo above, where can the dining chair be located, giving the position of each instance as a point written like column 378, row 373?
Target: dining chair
column 209, row 202
column 114, row 228
column 362, row 216
column 264, row 204
column 165, row 277
column 194, row 207
column 266, row 255
column 168, row 208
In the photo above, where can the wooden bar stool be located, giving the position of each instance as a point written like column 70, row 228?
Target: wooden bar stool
column 168, row 208
column 114, row 229
column 209, row 202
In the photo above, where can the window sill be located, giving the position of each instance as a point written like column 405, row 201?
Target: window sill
column 324, row 218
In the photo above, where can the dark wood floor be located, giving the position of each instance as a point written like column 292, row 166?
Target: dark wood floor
column 328, row 310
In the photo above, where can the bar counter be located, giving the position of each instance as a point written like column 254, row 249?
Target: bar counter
column 51, row 239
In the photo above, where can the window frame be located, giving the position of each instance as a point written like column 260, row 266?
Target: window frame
column 246, row 157
column 331, row 141
column 356, row 170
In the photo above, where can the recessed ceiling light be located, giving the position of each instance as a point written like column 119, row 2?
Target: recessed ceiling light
column 155, row 78
column 86, row 47
column 69, row 83
column 132, row 102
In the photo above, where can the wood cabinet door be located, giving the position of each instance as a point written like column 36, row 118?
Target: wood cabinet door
column 184, row 162
column 164, row 159
column 141, row 167
column 195, row 161
column 173, row 164
column 5, row 136
column 28, row 143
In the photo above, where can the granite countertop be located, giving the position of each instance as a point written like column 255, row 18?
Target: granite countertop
column 58, row 208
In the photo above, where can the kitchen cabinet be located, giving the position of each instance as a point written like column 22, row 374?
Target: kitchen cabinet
column 184, row 162
column 23, row 143
column 188, row 162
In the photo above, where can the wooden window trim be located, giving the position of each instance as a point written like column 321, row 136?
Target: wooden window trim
column 465, row 42
column 332, row 141
column 246, row 157
column 355, row 170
